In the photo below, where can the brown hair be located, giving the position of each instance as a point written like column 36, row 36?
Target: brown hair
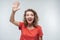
column 35, row 17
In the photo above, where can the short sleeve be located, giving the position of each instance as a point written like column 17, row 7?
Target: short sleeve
column 40, row 32
column 20, row 25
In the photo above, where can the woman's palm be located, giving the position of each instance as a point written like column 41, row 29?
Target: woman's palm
column 15, row 6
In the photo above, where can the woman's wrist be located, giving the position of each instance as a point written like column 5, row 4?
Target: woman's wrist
column 13, row 11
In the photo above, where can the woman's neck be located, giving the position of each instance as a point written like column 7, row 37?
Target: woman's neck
column 29, row 25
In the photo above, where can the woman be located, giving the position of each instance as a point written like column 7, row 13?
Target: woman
column 30, row 30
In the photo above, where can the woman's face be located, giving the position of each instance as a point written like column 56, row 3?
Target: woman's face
column 29, row 17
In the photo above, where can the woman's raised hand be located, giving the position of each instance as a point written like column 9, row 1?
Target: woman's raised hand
column 15, row 6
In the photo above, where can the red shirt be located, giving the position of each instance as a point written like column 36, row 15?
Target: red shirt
column 27, row 34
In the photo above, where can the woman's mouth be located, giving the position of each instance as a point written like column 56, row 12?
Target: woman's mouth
column 29, row 19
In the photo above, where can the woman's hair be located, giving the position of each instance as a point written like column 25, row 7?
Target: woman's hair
column 35, row 21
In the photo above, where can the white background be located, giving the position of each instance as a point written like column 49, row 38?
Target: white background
column 47, row 10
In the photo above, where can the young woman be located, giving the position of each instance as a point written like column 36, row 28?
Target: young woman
column 30, row 30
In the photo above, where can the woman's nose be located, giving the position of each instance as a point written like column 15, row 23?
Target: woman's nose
column 30, row 16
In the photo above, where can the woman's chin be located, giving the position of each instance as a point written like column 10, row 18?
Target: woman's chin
column 29, row 22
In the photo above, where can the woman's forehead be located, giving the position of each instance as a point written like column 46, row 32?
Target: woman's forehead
column 29, row 12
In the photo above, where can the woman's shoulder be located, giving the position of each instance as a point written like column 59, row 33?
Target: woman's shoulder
column 21, row 22
column 21, row 25
column 39, row 26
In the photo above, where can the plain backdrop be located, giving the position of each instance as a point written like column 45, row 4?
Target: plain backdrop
column 47, row 10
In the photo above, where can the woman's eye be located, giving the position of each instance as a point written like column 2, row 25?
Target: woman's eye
column 32, row 15
column 27, row 15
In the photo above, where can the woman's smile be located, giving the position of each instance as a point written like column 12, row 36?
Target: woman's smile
column 29, row 17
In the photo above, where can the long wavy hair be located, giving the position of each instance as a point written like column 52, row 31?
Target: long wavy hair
column 35, row 21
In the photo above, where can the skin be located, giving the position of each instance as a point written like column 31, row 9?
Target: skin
column 29, row 17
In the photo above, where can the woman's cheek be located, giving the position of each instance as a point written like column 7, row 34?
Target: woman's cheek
column 26, row 17
column 33, row 17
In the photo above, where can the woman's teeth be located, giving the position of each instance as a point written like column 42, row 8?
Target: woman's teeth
column 29, row 19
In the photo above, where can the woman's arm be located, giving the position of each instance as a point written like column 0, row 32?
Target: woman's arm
column 40, row 38
column 15, row 8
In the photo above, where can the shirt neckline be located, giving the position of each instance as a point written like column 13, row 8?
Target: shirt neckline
column 30, row 29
